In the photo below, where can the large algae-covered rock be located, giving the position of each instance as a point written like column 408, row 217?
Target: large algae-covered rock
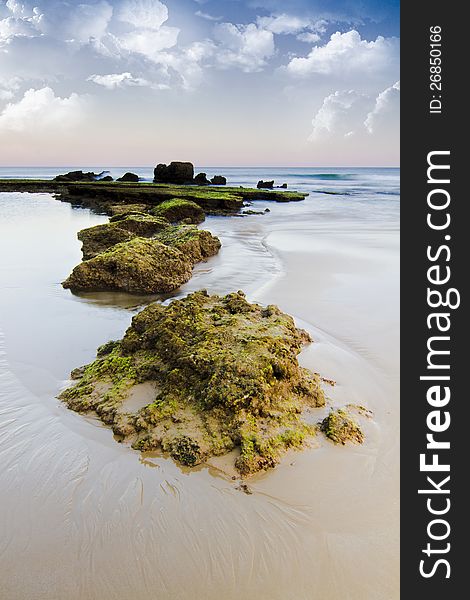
column 196, row 244
column 175, row 172
column 211, row 373
column 139, row 266
column 99, row 238
column 177, row 210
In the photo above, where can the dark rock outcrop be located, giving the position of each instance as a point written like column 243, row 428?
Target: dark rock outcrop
column 129, row 178
column 78, row 176
column 175, row 172
column 219, row 180
column 201, row 179
column 265, row 184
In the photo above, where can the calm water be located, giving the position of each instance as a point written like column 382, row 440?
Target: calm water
column 84, row 517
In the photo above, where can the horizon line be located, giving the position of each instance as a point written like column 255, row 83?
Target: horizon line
column 210, row 166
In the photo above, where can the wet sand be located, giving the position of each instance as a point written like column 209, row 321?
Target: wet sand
column 86, row 518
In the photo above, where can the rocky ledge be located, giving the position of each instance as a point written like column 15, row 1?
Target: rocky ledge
column 113, row 197
column 201, row 377
column 139, row 254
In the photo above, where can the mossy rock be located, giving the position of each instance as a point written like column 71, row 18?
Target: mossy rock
column 139, row 266
column 123, row 228
column 197, row 244
column 224, row 374
column 127, row 209
column 178, row 210
column 340, row 427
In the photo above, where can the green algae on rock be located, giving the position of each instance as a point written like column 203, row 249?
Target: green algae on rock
column 177, row 210
column 197, row 244
column 139, row 266
column 223, row 374
column 340, row 427
column 99, row 238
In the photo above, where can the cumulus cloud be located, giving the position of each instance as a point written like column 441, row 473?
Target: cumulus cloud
column 149, row 35
column 385, row 111
column 247, row 47
column 59, row 19
column 349, row 113
column 340, row 115
column 348, row 54
column 150, row 14
column 41, row 110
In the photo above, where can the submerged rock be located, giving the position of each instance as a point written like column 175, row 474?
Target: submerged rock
column 265, row 184
column 123, row 228
column 340, row 427
column 139, row 266
column 175, row 172
column 218, row 372
column 177, row 210
column 219, row 180
column 129, row 178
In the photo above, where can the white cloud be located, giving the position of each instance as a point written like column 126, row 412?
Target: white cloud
column 148, row 14
column 58, row 19
column 307, row 30
column 116, row 80
column 149, row 42
column 345, row 114
column 41, row 110
column 206, row 16
column 309, row 37
column 247, row 47
column 149, row 35
column 283, row 24
column 187, row 64
column 386, row 110
column 18, row 23
column 340, row 114
column 76, row 22
column 348, row 54
column 113, row 81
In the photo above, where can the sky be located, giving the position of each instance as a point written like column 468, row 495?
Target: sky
column 215, row 82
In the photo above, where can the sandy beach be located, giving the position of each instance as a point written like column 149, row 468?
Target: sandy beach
column 85, row 517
